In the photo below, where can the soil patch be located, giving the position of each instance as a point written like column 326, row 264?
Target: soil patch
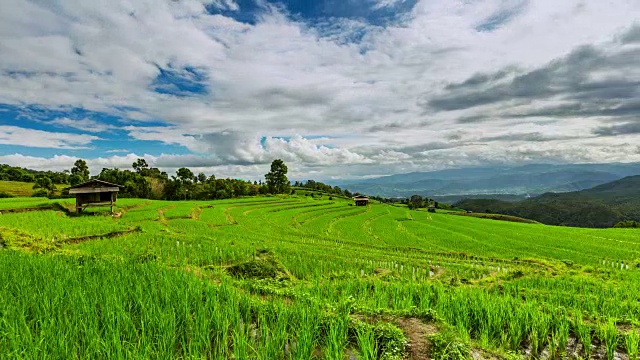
column 416, row 332
column 101, row 236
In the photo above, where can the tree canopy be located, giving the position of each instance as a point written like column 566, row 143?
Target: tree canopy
column 79, row 172
column 276, row 178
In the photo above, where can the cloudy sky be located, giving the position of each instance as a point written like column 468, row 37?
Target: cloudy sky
column 336, row 88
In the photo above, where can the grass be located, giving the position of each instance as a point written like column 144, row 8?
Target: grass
column 17, row 188
column 495, row 217
column 288, row 277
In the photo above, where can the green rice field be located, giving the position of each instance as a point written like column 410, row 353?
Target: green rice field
column 296, row 277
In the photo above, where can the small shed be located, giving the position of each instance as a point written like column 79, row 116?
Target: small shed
column 94, row 193
column 361, row 200
column 431, row 208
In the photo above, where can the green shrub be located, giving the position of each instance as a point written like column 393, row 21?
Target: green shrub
column 627, row 224
column 447, row 345
column 40, row 193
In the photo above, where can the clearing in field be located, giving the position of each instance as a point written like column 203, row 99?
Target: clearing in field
column 300, row 278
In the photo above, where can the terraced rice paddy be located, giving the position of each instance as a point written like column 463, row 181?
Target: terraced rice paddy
column 301, row 278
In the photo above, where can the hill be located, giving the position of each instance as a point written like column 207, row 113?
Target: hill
column 520, row 180
column 295, row 277
column 18, row 188
column 601, row 206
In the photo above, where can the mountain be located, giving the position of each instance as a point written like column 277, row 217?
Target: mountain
column 518, row 180
column 600, row 206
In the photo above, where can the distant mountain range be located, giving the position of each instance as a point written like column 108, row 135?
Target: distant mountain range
column 517, row 181
column 601, row 206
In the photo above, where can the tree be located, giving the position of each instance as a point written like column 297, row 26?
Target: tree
column 415, row 202
column 75, row 179
column 15, row 174
column 81, row 169
column 44, row 183
column 185, row 175
column 202, row 178
column 141, row 166
column 132, row 184
column 276, row 178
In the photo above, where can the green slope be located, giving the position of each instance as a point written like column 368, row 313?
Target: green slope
column 248, row 278
column 601, row 206
column 17, row 188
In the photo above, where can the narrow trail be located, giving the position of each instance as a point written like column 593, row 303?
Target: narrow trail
column 110, row 235
column 54, row 207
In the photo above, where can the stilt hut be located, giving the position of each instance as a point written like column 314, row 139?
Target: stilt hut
column 361, row 200
column 94, row 193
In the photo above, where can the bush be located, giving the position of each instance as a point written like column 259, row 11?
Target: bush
column 627, row 224
column 390, row 342
column 4, row 195
column 40, row 193
column 448, row 346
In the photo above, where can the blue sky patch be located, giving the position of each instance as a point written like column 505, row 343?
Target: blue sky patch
column 314, row 12
column 502, row 17
column 180, row 82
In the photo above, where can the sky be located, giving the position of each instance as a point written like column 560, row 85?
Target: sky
column 338, row 89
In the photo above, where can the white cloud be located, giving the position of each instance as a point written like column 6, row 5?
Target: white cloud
column 88, row 125
column 114, row 151
column 289, row 82
column 14, row 135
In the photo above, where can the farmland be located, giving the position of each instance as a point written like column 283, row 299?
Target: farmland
column 18, row 188
column 299, row 277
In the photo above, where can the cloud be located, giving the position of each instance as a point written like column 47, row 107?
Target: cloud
column 503, row 15
column 398, row 86
column 586, row 74
column 632, row 36
column 228, row 147
column 88, row 125
column 621, row 129
column 13, row 135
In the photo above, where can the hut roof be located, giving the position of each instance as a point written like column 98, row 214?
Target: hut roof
column 93, row 186
column 360, row 197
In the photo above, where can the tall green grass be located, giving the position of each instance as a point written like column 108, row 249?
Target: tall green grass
column 168, row 290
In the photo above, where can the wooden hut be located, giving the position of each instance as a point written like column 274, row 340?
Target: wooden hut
column 94, row 193
column 431, row 208
column 361, row 200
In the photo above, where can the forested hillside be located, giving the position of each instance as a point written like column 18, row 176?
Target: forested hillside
column 531, row 179
column 601, row 206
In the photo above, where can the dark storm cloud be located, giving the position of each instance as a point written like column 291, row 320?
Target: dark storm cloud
column 632, row 36
column 436, row 145
column 481, row 79
column 472, row 119
column 530, row 137
column 571, row 79
column 621, row 129
column 594, row 108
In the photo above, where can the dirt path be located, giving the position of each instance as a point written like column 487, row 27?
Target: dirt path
column 101, row 236
column 416, row 332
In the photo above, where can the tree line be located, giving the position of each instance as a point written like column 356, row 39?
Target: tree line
column 143, row 181
column 321, row 187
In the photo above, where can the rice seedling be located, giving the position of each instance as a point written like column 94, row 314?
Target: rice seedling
column 609, row 333
column 632, row 342
column 336, row 338
column 367, row 342
column 279, row 278
column 584, row 334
